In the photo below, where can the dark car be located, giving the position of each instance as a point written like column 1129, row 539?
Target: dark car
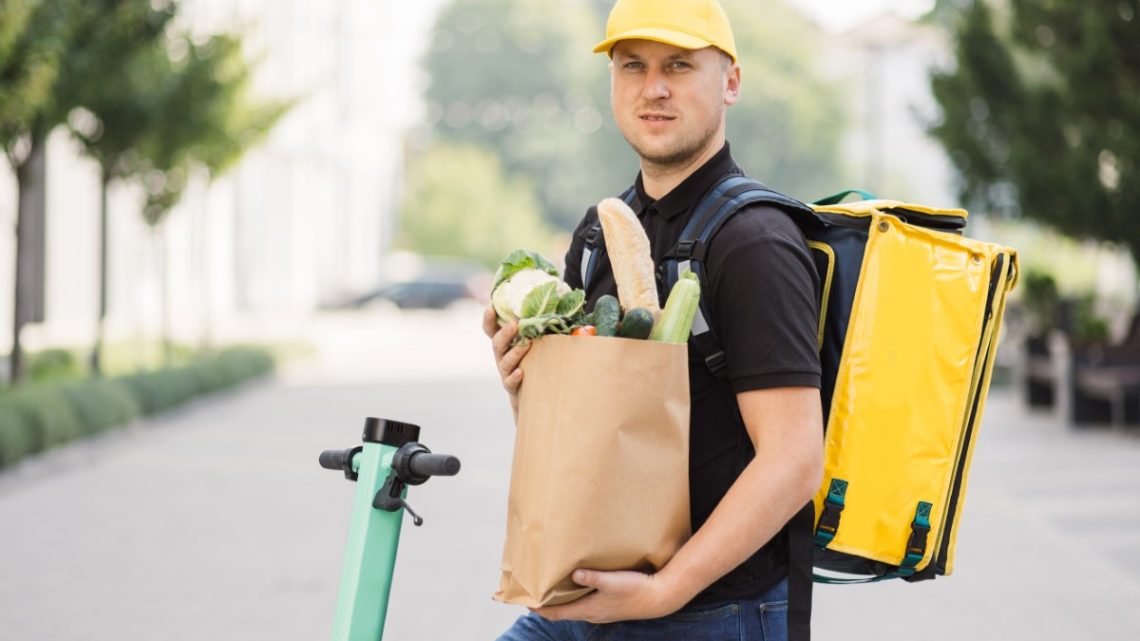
column 426, row 292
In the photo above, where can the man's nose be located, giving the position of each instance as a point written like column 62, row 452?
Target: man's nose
column 656, row 86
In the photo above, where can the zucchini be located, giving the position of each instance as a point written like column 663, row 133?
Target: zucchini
column 638, row 323
column 607, row 313
column 676, row 321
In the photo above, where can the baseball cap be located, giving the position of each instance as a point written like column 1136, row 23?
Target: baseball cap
column 688, row 24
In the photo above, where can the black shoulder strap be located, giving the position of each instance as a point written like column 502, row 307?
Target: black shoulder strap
column 710, row 214
column 594, row 246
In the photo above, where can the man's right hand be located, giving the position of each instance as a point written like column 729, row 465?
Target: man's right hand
column 507, row 358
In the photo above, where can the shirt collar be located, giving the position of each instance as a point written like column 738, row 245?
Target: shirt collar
column 685, row 195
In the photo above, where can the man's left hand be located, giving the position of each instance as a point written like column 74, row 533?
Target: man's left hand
column 619, row 596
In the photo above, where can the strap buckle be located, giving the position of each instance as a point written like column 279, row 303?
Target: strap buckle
column 717, row 364
column 592, row 235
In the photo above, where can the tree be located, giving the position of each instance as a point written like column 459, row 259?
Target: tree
column 33, row 38
column 118, row 70
column 1039, row 114
column 204, row 117
column 786, row 128
column 518, row 78
column 460, row 203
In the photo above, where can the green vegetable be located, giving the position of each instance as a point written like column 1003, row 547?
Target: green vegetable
column 607, row 313
column 527, row 289
column 676, row 320
column 638, row 323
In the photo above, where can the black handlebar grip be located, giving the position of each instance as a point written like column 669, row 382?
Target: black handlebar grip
column 426, row 464
column 335, row 459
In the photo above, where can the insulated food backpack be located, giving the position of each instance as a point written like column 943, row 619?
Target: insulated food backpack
column 910, row 312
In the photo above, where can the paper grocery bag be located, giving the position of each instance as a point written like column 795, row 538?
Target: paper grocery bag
column 600, row 477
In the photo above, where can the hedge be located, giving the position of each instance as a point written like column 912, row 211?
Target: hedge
column 37, row 417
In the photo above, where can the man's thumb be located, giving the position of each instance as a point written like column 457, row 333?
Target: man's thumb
column 586, row 578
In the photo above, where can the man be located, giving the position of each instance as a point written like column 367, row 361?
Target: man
column 756, row 453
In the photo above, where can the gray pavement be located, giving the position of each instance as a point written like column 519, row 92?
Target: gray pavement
column 216, row 522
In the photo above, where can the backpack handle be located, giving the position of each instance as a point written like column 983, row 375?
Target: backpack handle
column 835, row 199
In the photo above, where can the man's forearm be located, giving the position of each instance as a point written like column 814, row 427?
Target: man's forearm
column 764, row 497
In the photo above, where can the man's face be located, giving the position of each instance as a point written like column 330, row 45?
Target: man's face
column 670, row 102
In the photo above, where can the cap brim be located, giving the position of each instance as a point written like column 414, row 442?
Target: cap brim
column 667, row 36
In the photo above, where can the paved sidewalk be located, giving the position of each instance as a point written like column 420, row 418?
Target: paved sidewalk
column 217, row 524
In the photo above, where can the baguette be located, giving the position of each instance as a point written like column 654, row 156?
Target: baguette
column 630, row 257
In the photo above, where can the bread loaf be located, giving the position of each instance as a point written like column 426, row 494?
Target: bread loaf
column 630, row 257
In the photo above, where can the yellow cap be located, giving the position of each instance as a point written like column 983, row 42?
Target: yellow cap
column 688, row 24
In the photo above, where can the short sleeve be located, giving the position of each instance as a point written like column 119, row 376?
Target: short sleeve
column 765, row 300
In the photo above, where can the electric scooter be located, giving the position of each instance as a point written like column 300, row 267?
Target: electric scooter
column 390, row 460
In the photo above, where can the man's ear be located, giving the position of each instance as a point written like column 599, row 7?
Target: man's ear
column 732, row 84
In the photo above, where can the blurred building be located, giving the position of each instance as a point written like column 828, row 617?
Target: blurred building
column 305, row 218
column 884, row 66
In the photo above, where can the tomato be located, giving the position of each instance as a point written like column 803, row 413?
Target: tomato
column 584, row 330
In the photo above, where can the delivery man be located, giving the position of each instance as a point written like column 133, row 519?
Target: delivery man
column 756, row 446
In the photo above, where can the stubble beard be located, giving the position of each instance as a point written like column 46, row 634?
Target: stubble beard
column 679, row 154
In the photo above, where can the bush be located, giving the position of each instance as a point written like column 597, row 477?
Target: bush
column 53, row 365
column 17, row 439
column 100, row 404
column 39, row 416
column 48, row 414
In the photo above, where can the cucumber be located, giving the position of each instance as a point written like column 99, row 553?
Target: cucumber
column 638, row 323
column 607, row 313
column 676, row 321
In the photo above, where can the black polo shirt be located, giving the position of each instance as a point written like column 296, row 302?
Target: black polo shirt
column 763, row 289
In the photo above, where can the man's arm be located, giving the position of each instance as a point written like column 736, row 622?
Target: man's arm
column 786, row 427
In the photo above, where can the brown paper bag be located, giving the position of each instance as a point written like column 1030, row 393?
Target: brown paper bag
column 600, row 477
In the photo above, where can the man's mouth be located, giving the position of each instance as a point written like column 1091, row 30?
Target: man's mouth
column 656, row 117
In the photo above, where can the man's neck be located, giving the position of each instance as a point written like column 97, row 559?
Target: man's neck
column 659, row 180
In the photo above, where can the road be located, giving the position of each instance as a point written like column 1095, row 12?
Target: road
column 215, row 522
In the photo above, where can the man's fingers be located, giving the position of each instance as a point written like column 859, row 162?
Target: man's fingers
column 510, row 361
column 490, row 322
column 514, row 381
column 501, row 341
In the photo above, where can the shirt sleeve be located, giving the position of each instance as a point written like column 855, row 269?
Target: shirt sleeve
column 765, row 301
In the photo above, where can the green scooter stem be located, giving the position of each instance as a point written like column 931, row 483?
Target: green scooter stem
column 370, row 555
column 389, row 460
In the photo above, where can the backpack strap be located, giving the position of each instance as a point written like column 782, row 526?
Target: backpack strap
column 691, row 251
column 593, row 246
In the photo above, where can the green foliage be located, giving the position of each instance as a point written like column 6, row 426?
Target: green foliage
column 204, row 116
column 100, row 403
column 34, row 35
column 459, row 203
column 53, row 364
column 518, row 78
column 37, row 417
column 1039, row 114
column 1088, row 326
column 785, row 130
column 1039, row 292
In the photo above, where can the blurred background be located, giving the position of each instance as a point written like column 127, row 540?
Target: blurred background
column 302, row 203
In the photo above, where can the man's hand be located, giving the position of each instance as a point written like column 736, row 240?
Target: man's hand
column 620, row 596
column 506, row 357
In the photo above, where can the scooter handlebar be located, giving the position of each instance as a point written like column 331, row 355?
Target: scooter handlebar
column 427, row 464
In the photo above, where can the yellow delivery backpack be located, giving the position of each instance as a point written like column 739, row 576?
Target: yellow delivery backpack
column 909, row 316
column 911, row 349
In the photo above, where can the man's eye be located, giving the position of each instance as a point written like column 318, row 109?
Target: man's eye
column 680, row 64
column 633, row 65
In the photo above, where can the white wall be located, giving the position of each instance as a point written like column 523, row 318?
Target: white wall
column 303, row 219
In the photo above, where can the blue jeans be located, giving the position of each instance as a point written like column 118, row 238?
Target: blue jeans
column 764, row 618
